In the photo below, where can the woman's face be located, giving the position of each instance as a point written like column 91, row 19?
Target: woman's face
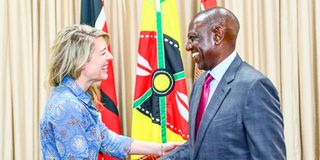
column 96, row 69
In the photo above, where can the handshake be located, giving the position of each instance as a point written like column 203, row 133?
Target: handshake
column 152, row 150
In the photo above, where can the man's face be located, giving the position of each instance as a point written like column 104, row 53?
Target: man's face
column 201, row 45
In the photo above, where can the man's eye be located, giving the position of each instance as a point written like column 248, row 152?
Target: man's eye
column 192, row 38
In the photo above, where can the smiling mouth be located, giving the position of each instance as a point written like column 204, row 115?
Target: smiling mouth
column 105, row 67
column 195, row 54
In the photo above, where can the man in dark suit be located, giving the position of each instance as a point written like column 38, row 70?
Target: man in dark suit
column 234, row 109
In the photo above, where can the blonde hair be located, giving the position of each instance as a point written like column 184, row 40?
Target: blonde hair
column 70, row 51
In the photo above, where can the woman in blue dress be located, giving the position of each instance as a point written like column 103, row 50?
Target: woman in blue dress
column 71, row 127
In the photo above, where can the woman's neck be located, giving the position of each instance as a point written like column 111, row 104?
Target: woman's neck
column 83, row 83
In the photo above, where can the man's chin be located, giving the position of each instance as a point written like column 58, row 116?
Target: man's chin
column 201, row 67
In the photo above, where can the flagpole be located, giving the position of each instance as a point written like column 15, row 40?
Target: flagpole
column 161, row 65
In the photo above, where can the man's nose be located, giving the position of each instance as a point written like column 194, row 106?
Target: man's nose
column 188, row 46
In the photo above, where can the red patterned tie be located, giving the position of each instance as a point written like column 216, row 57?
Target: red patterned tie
column 203, row 100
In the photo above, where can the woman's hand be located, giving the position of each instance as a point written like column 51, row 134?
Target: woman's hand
column 153, row 148
column 168, row 147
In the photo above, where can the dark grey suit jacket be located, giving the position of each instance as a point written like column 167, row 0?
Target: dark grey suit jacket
column 243, row 120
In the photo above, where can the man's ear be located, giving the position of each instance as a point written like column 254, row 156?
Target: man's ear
column 218, row 34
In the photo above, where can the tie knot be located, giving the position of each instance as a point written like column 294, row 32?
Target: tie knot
column 208, row 79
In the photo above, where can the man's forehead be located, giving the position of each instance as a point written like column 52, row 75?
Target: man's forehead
column 200, row 18
column 198, row 21
column 195, row 25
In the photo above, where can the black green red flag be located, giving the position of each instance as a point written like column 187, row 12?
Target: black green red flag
column 160, row 105
column 92, row 13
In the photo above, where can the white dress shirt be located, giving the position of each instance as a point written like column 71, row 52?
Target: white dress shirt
column 217, row 73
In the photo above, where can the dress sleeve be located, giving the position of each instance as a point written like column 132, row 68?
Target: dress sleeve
column 113, row 144
column 68, row 133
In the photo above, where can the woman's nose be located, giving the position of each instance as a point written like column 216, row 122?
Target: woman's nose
column 109, row 56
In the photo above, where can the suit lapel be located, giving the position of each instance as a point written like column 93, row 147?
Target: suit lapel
column 214, row 105
column 210, row 112
column 195, row 104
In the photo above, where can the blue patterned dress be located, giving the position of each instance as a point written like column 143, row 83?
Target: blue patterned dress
column 71, row 128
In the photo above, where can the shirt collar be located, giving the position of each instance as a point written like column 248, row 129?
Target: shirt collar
column 76, row 89
column 218, row 71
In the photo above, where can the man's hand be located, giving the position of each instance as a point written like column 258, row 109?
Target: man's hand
column 168, row 147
